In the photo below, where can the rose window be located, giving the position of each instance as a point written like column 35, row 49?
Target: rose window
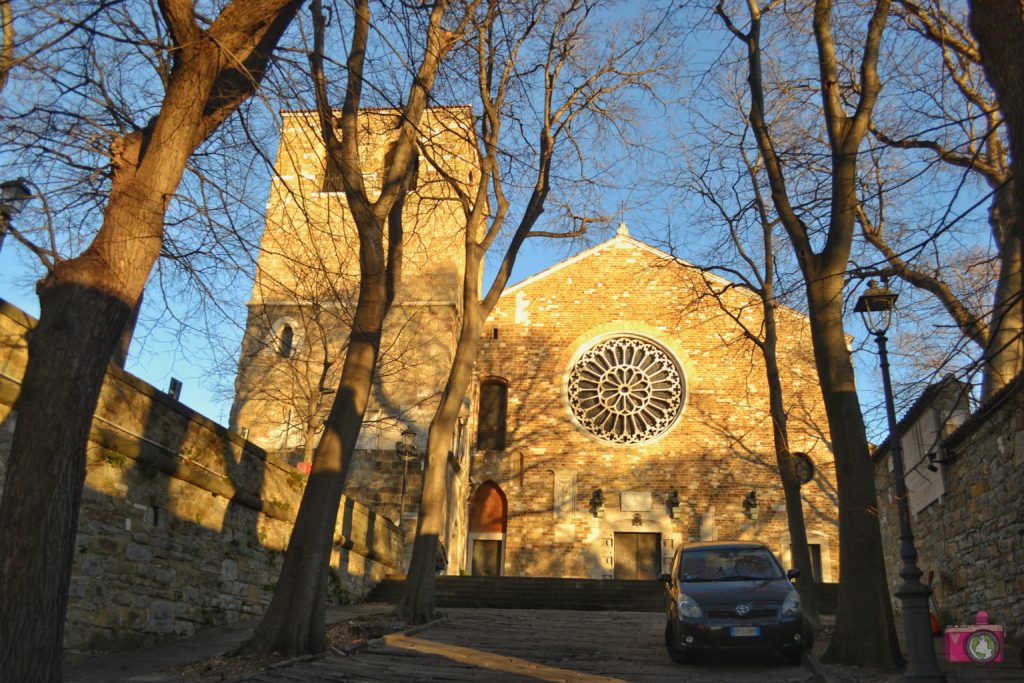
column 625, row 390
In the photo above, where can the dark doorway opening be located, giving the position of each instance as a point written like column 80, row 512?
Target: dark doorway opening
column 486, row 558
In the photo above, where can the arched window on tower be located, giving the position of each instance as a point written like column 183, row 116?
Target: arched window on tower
column 286, row 341
column 490, row 434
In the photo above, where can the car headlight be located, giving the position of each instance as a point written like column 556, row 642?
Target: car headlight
column 688, row 607
column 791, row 605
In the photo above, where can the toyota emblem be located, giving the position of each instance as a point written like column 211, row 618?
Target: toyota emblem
column 742, row 609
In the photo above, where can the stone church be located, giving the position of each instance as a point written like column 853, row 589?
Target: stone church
column 618, row 409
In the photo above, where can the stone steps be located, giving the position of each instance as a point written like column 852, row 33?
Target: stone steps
column 519, row 592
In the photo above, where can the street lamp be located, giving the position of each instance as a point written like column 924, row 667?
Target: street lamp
column 876, row 307
column 13, row 196
column 406, row 451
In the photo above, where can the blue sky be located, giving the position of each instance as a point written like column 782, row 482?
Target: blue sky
column 173, row 344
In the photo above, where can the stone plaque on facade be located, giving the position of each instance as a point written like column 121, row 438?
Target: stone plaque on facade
column 564, row 494
column 635, row 501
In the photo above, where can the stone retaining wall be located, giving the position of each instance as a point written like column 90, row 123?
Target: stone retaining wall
column 183, row 523
column 971, row 540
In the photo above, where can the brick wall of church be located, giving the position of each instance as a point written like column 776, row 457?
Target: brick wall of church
column 719, row 450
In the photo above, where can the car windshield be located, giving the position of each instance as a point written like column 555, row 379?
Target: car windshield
column 729, row 564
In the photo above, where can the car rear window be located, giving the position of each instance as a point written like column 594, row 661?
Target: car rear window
column 729, row 564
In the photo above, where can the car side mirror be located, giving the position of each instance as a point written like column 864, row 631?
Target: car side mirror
column 793, row 574
column 665, row 578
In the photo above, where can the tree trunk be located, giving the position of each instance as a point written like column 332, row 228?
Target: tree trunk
column 1004, row 353
column 864, row 621
column 787, row 471
column 998, row 27
column 124, row 342
column 294, row 623
column 418, row 604
column 84, row 306
column 68, row 353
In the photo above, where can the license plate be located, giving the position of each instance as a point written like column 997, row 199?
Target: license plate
column 745, row 631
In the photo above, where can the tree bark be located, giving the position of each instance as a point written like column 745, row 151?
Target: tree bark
column 787, row 470
column 6, row 42
column 499, row 67
column 294, row 622
column 84, row 306
column 998, row 27
column 39, row 515
column 417, row 604
column 1004, row 345
column 865, row 630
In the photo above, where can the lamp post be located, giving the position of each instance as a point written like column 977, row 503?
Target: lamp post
column 406, row 451
column 13, row 196
column 876, row 307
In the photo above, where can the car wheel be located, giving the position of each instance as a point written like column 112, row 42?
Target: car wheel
column 794, row 657
column 676, row 653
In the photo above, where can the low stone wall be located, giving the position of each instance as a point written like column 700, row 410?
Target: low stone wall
column 971, row 541
column 183, row 524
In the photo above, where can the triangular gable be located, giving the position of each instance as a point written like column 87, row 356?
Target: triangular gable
column 596, row 250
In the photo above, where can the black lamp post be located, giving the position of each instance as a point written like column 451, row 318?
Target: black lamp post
column 13, row 196
column 876, row 306
column 406, row 451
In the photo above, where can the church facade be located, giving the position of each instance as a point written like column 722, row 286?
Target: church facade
column 618, row 409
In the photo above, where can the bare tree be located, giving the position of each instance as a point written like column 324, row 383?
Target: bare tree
column 545, row 55
column 865, row 631
column 214, row 66
column 294, row 622
column 739, row 203
column 961, row 130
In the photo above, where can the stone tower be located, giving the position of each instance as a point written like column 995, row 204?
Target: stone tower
column 305, row 291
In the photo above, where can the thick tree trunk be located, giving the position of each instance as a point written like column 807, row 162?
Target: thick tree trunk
column 864, row 621
column 124, row 341
column 865, row 629
column 787, row 472
column 84, row 306
column 1004, row 351
column 998, row 27
column 294, row 623
column 418, row 604
column 68, row 353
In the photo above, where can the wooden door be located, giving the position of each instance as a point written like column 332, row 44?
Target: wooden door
column 637, row 556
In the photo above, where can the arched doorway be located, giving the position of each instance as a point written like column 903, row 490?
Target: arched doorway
column 488, row 516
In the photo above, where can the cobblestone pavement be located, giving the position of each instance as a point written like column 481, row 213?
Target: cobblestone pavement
column 164, row 663
column 532, row 645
